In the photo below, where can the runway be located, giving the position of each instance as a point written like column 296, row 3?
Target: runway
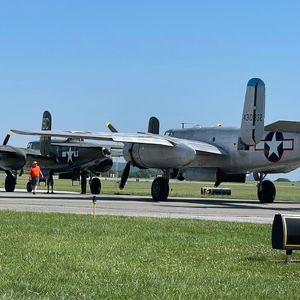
column 187, row 208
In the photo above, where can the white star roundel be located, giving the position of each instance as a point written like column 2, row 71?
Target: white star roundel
column 274, row 146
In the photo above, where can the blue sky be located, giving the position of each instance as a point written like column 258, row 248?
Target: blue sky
column 89, row 62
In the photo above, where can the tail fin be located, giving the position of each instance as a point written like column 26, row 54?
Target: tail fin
column 153, row 125
column 252, row 125
column 45, row 141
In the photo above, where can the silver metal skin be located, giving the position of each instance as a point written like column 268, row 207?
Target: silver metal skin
column 255, row 159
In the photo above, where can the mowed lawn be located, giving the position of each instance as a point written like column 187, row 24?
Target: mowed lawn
column 58, row 256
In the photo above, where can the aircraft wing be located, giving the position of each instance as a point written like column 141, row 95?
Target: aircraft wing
column 139, row 138
column 7, row 149
column 289, row 126
column 199, row 146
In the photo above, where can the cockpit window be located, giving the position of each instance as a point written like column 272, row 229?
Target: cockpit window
column 33, row 145
column 169, row 133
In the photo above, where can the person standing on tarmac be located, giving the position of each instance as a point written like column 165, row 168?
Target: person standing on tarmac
column 35, row 174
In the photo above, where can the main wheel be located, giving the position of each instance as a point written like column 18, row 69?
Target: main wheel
column 95, row 186
column 83, row 183
column 266, row 191
column 29, row 186
column 10, row 183
column 160, row 189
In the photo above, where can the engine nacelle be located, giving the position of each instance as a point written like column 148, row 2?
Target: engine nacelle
column 12, row 158
column 158, row 156
column 104, row 166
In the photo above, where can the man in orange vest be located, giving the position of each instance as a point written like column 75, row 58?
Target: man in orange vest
column 35, row 174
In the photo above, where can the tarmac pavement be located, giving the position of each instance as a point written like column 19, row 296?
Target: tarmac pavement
column 236, row 210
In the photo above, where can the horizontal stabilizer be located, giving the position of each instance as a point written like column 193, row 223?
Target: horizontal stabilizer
column 289, row 126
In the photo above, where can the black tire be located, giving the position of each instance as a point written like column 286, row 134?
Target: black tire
column 83, row 183
column 10, row 183
column 29, row 187
column 160, row 189
column 266, row 192
column 95, row 186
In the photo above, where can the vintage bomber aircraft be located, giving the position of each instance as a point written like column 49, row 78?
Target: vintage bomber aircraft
column 70, row 158
column 216, row 154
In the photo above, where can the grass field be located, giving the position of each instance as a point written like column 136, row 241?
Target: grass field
column 285, row 190
column 57, row 256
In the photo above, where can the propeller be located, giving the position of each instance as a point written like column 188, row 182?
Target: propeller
column 110, row 127
column 6, row 139
column 126, row 170
column 153, row 127
column 124, row 176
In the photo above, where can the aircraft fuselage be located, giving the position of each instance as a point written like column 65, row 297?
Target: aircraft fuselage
column 276, row 152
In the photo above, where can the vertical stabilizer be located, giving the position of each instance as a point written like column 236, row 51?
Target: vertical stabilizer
column 252, row 126
column 153, row 125
column 45, row 141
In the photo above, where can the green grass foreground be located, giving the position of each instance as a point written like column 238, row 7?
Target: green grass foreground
column 58, row 256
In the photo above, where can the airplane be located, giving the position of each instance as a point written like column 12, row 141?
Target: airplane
column 219, row 154
column 70, row 158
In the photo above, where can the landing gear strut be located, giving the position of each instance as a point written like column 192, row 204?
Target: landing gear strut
column 266, row 190
column 50, row 183
column 83, row 182
column 160, row 189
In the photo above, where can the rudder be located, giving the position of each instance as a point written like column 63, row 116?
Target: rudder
column 45, row 141
column 252, row 125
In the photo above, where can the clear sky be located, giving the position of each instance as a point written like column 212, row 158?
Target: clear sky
column 89, row 62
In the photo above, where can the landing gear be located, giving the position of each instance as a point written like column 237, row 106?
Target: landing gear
column 83, row 182
column 95, row 183
column 266, row 191
column 95, row 186
column 29, row 186
column 50, row 183
column 10, row 182
column 160, row 189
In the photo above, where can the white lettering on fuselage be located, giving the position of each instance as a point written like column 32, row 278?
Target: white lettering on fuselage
column 70, row 154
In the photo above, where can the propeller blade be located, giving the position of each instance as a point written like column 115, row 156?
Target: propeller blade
column 6, row 139
column 125, row 175
column 110, row 127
